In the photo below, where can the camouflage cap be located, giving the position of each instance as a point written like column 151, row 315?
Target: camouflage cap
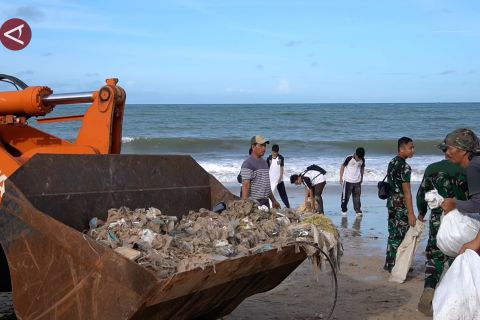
column 463, row 138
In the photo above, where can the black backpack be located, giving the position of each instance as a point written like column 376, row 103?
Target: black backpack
column 315, row 167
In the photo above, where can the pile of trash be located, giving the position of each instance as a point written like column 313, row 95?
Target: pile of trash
column 165, row 245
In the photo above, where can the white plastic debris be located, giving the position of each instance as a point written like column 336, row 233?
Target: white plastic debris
column 434, row 200
column 263, row 208
column 458, row 294
column 117, row 223
column 220, row 243
column 147, row 235
column 455, row 230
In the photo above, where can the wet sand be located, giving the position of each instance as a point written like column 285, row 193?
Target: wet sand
column 363, row 288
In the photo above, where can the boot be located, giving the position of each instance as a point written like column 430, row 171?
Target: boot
column 425, row 302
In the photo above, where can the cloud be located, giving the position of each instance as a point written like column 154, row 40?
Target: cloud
column 283, row 86
column 313, row 64
column 30, row 13
column 293, row 43
column 447, row 72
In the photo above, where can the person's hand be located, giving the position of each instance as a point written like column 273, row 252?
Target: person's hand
column 279, row 181
column 449, row 204
column 275, row 204
column 341, row 181
column 412, row 220
column 421, row 217
column 473, row 245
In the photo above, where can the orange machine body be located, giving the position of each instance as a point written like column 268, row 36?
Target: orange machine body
column 100, row 132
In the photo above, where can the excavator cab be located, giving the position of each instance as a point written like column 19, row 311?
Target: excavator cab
column 50, row 188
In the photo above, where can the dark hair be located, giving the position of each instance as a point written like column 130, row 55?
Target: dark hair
column 293, row 178
column 275, row 148
column 403, row 141
column 360, row 152
column 250, row 151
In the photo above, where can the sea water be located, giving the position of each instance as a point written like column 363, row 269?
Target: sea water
column 218, row 136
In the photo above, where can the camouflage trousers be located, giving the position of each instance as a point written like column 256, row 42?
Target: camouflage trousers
column 397, row 229
column 435, row 258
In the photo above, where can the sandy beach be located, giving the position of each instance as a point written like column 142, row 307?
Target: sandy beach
column 363, row 288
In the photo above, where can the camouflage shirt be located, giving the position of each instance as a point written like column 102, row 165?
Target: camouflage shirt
column 449, row 179
column 398, row 172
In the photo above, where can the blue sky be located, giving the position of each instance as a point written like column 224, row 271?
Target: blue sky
column 245, row 51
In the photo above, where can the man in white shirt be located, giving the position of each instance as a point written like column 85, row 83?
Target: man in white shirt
column 276, row 164
column 314, row 180
column 351, row 178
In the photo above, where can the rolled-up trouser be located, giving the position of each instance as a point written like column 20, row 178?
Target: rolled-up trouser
column 317, row 193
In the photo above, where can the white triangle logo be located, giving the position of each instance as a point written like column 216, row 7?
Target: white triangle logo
column 19, row 29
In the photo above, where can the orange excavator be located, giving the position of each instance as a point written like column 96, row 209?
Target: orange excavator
column 50, row 188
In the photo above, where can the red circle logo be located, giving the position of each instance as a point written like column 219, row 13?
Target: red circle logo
column 15, row 34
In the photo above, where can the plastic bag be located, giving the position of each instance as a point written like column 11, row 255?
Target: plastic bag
column 458, row 294
column 433, row 199
column 406, row 253
column 455, row 230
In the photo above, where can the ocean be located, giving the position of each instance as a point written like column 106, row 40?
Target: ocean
column 218, row 136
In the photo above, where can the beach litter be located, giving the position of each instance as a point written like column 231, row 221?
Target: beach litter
column 167, row 245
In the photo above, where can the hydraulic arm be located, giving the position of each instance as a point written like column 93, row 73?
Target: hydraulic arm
column 100, row 132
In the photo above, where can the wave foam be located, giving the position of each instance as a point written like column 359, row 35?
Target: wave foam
column 226, row 171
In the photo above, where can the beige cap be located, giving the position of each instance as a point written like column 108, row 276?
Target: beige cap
column 259, row 140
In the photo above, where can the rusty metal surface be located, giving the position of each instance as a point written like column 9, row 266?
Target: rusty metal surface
column 217, row 291
column 75, row 188
column 59, row 273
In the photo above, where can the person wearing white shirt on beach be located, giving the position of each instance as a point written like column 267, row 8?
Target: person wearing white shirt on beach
column 276, row 163
column 351, row 178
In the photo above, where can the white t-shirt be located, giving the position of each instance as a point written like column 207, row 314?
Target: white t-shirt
column 315, row 177
column 352, row 172
column 274, row 171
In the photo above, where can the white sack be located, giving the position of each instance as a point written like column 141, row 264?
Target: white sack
column 458, row 294
column 455, row 230
column 406, row 253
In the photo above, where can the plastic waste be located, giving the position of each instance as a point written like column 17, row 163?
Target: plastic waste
column 433, row 199
column 455, row 230
column 147, row 235
column 458, row 294
column 406, row 253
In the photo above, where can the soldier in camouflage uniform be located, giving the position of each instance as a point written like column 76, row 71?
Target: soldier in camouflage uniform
column 399, row 203
column 449, row 180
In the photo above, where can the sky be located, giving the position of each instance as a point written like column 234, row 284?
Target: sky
column 246, row 51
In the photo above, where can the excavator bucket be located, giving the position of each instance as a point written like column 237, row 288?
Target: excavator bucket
column 55, row 271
